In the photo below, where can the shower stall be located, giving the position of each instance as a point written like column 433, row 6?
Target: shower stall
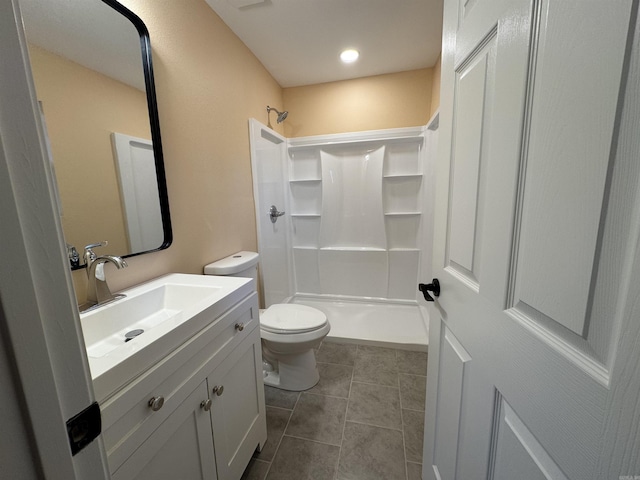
column 356, row 234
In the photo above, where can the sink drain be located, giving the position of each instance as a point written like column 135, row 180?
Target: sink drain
column 132, row 334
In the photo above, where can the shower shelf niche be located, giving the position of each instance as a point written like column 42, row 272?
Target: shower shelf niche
column 306, row 197
column 305, row 230
column 304, row 166
column 403, row 159
column 402, row 230
column 402, row 194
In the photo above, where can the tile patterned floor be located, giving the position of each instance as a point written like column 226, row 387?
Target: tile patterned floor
column 364, row 420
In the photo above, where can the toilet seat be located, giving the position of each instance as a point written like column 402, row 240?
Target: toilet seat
column 291, row 318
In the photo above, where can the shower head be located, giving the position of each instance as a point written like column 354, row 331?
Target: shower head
column 281, row 115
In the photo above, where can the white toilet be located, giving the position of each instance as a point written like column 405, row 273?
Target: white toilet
column 289, row 331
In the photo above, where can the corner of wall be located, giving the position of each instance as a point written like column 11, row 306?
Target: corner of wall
column 435, row 86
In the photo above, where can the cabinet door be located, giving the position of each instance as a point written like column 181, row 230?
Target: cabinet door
column 181, row 448
column 238, row 412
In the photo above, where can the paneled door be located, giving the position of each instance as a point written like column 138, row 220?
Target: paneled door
column 136, row 167
column 535, row 339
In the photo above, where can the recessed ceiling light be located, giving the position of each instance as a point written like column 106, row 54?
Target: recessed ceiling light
column 350, row 55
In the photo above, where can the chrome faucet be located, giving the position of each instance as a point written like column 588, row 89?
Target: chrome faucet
column 98, row 292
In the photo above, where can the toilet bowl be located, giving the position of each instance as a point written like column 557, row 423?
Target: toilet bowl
column 289, row 332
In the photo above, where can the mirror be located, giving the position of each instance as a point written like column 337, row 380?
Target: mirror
column 91, row 64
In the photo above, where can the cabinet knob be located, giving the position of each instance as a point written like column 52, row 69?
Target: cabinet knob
column 206, row 404
column 218, row 389
column 156, row 403
column 239, row 326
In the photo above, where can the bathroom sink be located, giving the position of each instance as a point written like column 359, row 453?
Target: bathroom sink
column 125, row 337
column 106, row 329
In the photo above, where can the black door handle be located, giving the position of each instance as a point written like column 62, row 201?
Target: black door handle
column 434, row 287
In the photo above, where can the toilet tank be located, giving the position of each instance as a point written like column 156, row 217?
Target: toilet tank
column 241, row 264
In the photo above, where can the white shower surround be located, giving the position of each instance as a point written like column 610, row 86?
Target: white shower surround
column 360, row 218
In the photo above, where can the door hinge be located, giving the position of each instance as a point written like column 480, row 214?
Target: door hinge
column 84, row 427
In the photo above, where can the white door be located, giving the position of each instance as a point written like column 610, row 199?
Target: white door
column 535, row 340
column 138, row 191
column 268, row 165
column 43, row 365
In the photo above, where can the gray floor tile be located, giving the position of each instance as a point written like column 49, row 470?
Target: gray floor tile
column 412, row 391
column 374, row 395
column 380, row 352
column 334, row 380
column 299, row 459
column 317, row 417
column 414, row 363
column 376, row 365
column 375, row 405
column 414, row 471
column 341, row 353
column 413, row 434
column 277, row 419
column 371, row 453
column 256, row 470
column 276, row 397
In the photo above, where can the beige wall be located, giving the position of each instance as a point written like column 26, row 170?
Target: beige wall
column 435, row 86
column 82, row 108
column 208, row 84
column 383, row 101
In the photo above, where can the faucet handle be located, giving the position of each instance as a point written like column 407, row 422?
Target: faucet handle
column 104, row 243
column 89, row 256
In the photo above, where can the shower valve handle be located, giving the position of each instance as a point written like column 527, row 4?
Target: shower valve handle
column 274, row 214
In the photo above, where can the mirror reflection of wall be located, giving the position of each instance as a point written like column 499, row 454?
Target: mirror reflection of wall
column 87, row 68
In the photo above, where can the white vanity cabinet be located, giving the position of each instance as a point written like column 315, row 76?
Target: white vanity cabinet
column 213, row 414
column 180, row 448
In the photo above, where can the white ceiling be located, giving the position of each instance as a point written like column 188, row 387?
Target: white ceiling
column 89, row 33
column 299, row 41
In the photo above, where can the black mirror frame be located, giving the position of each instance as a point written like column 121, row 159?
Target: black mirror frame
column 147, row 67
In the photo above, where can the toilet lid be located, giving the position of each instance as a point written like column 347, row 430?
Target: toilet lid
column 291, row 318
